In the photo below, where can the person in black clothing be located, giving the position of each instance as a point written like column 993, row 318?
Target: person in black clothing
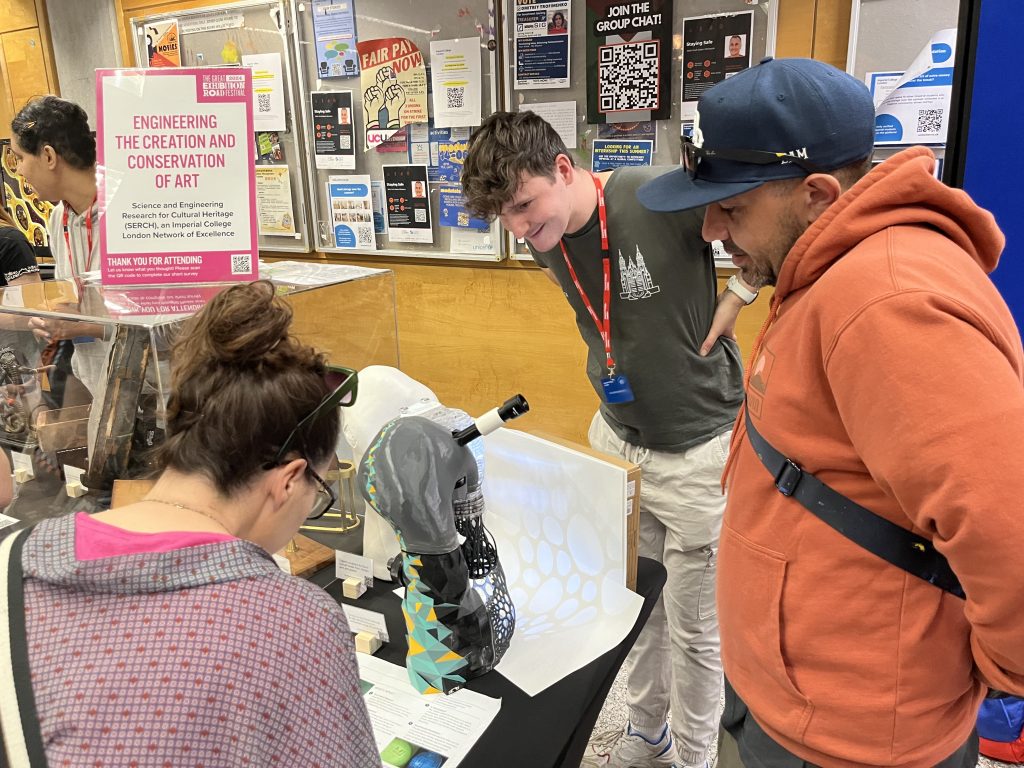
column 17, row 259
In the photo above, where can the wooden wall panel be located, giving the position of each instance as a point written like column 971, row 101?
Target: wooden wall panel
column 832, row 32
column 24, row 66
column 17, row 14
column 26, row 57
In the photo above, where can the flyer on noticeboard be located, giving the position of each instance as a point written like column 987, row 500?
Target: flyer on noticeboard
column 408, row 204
column 178, row 195
column 541, row 35
column 912, row 107
column 162, row 45
column 274, row 200
column 455, row 78
column 394, row 84
column 714, row 49
column 351, row 211
column 334, row 31
column 334, row 145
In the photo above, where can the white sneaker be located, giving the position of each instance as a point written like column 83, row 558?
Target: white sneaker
column 628, row 749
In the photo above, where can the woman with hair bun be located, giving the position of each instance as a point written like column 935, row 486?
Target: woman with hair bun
column 162, row 632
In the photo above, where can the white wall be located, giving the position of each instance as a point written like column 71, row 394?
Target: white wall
column 84, row 34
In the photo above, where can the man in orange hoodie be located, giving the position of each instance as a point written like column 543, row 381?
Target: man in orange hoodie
column 887, row 397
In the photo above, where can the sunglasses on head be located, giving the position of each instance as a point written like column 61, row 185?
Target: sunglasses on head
column 693, row 155
column 343, row 384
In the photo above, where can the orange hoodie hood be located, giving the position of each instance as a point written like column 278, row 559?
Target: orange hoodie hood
column 909, row 195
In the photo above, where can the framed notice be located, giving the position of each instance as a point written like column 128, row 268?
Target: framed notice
column 714, row 48
column 334, row 143
column 408, row 203
column 178, row 196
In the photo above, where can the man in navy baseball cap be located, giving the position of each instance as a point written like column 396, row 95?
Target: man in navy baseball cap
column 868, row 588
column 782, row 119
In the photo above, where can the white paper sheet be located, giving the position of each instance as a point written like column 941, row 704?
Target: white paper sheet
column 446, row 725
column 557, row 518
column 305, row 273
column 560, row 114
column 268, row 113
column 455, row 75
column 915, row 110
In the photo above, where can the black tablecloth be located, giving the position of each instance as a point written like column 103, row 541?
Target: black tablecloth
column 547, row 730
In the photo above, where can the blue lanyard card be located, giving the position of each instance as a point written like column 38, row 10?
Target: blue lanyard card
column 617, row 389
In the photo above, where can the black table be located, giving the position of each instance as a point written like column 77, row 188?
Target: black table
column 544, row 731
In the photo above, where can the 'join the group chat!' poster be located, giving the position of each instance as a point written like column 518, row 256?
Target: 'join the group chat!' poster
column 394, row 83
column 178, row 194
column 629, row 60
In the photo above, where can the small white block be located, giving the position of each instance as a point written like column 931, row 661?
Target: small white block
column 353, row 588
column 75, row 489
column 367, row 643
column 22, row 475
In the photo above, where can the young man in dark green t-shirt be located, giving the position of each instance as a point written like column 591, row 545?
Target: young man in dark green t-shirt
column 669, row 376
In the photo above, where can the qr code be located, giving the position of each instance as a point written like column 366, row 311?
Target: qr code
column 364, row 237
column 456, row 97
column 628, row 76
column 929, row 122
column 264, row 102
column 419, row 215
column 241, row 264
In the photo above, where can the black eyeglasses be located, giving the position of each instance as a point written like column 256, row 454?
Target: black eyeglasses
column 344, row 385
column 692, row 156
column 325, row 496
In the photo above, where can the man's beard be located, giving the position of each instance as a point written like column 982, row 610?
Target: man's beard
column 765, row 269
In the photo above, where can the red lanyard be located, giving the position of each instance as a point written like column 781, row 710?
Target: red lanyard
column 88, row 235
column 604, row 328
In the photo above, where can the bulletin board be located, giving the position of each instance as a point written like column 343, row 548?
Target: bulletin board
column 470, row 21
column 666, row 149
column 232, row 35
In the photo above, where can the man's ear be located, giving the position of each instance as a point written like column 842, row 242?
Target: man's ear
column 49, row 155
column 818, row 191
column 564, row 168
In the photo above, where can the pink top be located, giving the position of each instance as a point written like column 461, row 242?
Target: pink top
column 95, row 539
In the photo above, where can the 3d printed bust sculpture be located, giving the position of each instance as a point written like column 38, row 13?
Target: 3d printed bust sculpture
column 421, row 476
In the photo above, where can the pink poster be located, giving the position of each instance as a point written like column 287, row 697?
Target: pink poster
column 177, row 187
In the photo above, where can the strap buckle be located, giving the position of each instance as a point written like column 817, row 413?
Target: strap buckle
column 788, row 478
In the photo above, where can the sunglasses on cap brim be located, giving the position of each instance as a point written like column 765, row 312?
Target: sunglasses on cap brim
column 693, row 155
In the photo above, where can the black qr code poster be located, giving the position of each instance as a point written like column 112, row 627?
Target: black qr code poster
column 629, row 48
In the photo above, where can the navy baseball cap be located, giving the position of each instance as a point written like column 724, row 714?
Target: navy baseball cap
column 781, row 119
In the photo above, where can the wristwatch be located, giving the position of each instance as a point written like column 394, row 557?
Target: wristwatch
column 746, row 296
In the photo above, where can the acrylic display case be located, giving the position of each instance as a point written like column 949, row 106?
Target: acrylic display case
column 85, row 370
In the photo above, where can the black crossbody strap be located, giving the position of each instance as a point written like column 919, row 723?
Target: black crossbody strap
column 896, row 545
column 23, row 741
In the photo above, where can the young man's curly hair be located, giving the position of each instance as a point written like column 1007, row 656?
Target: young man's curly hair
column 504, row 147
